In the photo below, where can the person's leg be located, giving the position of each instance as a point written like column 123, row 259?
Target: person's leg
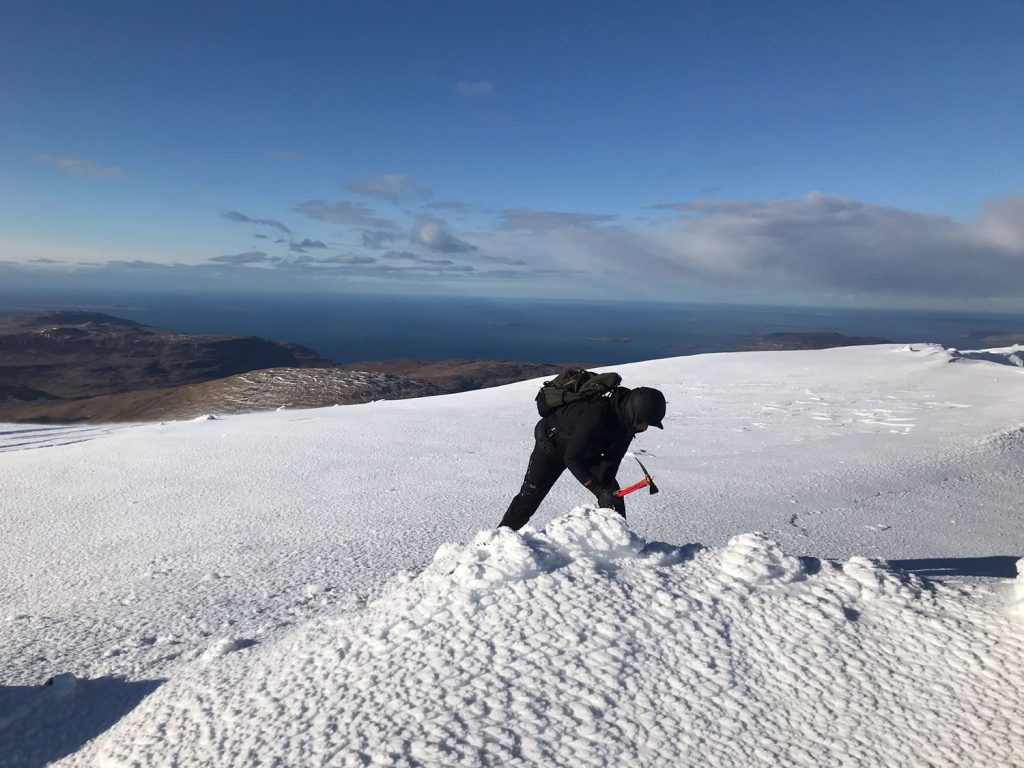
column 541, row 473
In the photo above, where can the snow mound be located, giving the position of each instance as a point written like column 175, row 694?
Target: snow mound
column 584, row 645
column 1013, row 355
column 222, row 647
column 754, row 559
column 497, row 557
column 1017, row 597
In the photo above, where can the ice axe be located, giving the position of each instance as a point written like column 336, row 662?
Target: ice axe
column 647, row 481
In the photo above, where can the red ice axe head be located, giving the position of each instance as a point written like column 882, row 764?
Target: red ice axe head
column 647, row 481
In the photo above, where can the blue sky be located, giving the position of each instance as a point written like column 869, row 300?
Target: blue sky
column 793, row 152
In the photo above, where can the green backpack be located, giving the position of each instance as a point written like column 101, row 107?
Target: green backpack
column 574, row 385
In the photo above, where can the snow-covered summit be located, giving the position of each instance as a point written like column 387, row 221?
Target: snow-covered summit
column 213, row 573
column 583, row 645
column 1013, row 355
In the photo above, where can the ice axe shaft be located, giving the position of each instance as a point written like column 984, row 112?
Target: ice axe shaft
column 647, row 481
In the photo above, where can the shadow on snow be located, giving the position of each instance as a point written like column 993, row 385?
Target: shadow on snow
column 43, row 723
column 993, row 566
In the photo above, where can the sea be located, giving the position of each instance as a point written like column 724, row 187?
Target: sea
column 359, row 327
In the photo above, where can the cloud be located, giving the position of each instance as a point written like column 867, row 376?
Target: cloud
column 46, row 261
column 344, row 212
column 1002, row 223
column 348, row 259
column 139, row 264
column 394, row 187
column 421, row 267
column 802, row 250
column 243, row 219
column 250, row 257
column 435, row 236
column 77, row 165
column 542, row 221
column 821, row 242
column 476, row 88
column 416, row 258
column 447, row 206
column 513, row 261
column 375, row 238
column 306, row 243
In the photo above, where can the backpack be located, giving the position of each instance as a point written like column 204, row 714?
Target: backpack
column 574, row 385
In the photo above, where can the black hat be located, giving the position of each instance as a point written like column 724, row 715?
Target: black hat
column 646, row 406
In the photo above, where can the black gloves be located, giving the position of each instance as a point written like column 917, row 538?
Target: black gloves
column 605, row 496
column 606, row 499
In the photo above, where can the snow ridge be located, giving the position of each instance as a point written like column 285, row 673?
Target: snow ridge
column 583, row 645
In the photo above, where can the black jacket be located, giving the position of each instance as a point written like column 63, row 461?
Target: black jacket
column 590, row 438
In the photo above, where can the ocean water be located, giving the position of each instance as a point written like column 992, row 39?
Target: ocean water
column 355, row 328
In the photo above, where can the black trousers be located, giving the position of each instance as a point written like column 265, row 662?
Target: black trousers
column 541, row 474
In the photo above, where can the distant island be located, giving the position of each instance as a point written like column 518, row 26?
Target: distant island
column 74, row 366
column 814, row 340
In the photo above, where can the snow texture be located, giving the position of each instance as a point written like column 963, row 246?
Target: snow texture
column 578, row 645
column 326, row 587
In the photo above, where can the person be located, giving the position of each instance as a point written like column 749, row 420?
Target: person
column 589, row 437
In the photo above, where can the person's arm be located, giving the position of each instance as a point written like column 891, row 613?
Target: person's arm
column 612, row 459
column 606, row 476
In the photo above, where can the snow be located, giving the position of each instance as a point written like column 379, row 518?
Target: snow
column 1013, row 355
column 326, row 587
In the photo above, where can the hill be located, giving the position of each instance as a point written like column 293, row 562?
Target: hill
column 58, row 356
column 72, row 366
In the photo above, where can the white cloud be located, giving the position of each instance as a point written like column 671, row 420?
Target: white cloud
column 344, row 212
column 1002, row 222
column 76, row 165
column 823, row 242
column 435, row 236
column 794, row 250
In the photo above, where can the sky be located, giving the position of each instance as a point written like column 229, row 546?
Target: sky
column 327, row 587
column 791, row 152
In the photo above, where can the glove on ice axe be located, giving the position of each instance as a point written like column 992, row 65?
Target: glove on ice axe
column 647, row 481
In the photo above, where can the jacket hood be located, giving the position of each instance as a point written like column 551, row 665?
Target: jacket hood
column 643, row 405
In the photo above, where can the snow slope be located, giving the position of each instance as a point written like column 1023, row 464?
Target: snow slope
column 223, row 573
column 583, row 646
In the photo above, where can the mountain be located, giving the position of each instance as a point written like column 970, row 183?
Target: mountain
column 826, row 577
column 72, row 355
column 258, row 390
column 72, row 366
column 460, row 374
